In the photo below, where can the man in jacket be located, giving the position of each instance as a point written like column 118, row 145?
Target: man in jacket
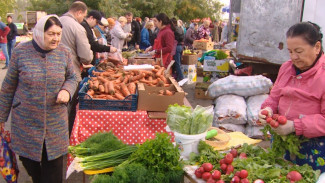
column 93, row 18
column 74, row 36
column 11, row 37
column 132, row 27
column 4, row 31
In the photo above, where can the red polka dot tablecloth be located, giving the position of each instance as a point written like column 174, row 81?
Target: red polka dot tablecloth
column 130, row 127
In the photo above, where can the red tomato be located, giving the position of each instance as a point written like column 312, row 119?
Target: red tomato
column 211, row 180
column 268, row 120
column 222, row 161
column 245, row 180
column 198, row 173
column 265, row 112
column 237, row 173
column 235, row 179
column 229, row 158
column 223, row 167
column 282, row 120
column 220, row 181
column 275, row 116
column 216, row 175
column 242, row 156
column 243, row 174
column 207, row 167
column 274, row 124
column 206, row 175
column 234, row 152
column 230, row 169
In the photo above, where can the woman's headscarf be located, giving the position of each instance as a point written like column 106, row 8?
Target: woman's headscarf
column 38, row 31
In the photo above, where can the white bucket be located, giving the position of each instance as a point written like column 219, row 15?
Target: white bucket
column 188, row 143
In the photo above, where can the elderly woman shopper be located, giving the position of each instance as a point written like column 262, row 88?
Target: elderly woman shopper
column 39, row 83
column 204, row 31
column 191, row 35
column 298, row 93
column 146, row 33
column 118, row 34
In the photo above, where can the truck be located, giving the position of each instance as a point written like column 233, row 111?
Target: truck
column 263, row 24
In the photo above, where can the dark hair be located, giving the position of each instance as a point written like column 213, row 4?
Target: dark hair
column 165, row 20
column 9, row 16
column 128, row 14
column 78, row 6
column 50, row 22
column 310, row 32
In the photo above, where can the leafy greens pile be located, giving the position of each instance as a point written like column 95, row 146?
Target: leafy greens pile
column 185, row 121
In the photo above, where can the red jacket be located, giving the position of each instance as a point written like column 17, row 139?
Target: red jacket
column 3, row 34
column 164, row 43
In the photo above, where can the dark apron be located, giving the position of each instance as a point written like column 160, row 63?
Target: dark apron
column 314, row 151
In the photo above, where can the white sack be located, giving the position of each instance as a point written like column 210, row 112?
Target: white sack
column 254, row 131
column 232, row 127
column 240, row 85
column 230, row 109
column 253, row 107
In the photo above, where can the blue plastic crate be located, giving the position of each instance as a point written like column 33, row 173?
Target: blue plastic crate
column 130, row 103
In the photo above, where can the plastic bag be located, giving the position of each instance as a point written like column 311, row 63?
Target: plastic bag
column 230, row 109
column 253, row 107
column 240, row 85
column 8, row 163
column 232, row 127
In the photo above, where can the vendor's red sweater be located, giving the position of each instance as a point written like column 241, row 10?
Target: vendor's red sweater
column 3, row 34
column 166, row 35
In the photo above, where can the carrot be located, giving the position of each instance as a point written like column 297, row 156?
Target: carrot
column 90, row 92
column 126, row 79
column 91, row 84
column 121, row 78
column 102, row 79
column 145, row 81
column 168, row 93
column 161, row 92
column 166, row 85
column 119, row 96
column 117, row 75
column 155, row 81
column 160, row 83
column 125, row 90
column 96, row 73
column 157, row 67
column 94, row 78
column 96, row 84
column 160, row 71
column 117, row 87
column 163, row 78
column 101, row 88
column 147, row 73
column 154, row 70
column 110, row 88
column 132, row 88
column 137, row 77
column 150, row 78
column 110, row 97
column 102, row 96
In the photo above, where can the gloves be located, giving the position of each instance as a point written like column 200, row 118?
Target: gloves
column 285, row 129
column 262, row 117
column 63, row 97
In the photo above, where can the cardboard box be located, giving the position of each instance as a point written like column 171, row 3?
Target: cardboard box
column 211, row 76
column 200, row 90
column 149, row 100
column 189, row 59
column 200, row 45
column 199, row 53
column 140, row 61
column 211, row 64
column 199, row 71
column 189, row 71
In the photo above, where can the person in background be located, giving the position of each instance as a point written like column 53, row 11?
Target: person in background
column 37, row 87
column 298, row 94
column 204, row 31
column 25, row 29
column 145, row 21
column 74, row 37
column 164, row 43
column 132, row 27
column 93, row 18
column 146, row 34
column 179, row 37
column 216, row 32
column 118, row 35
column 155, row 32
column 181, row 24
column 11, row 37
column 100, row 34
column 224, row 34
column 111, row 24
column 4, row 31
column 191, row 35
column 139, row 21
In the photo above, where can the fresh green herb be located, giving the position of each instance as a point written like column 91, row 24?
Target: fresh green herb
column 281, row 144
column 206, row 155
column 97, row 143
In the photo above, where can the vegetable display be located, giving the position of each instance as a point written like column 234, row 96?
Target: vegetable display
column 258, row 166
column 116, row 84
column 154, row 161
column 185, row 121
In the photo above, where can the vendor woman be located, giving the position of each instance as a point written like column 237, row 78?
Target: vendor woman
column 299, row 93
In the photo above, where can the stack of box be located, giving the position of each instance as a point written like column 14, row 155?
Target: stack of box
column 188, row 67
